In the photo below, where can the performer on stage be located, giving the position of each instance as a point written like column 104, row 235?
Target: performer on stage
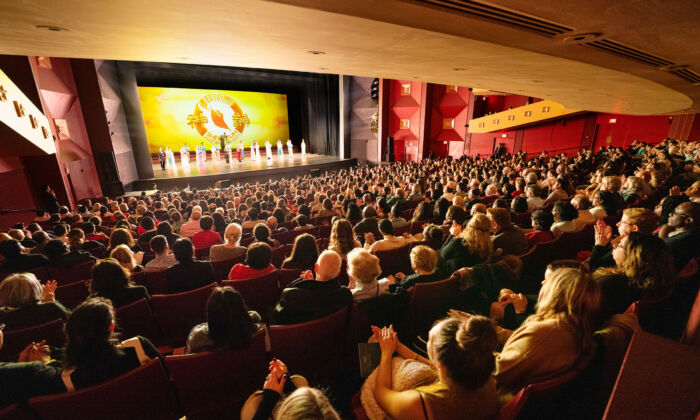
column 290, row 148
column 268, row 149
column 185, row 155
column 239, row 151
column 170, row 156
column 161, row 158
column 253, row 151
column 227, row 152
column 303, row 149
column 280, row 149
column 257, row 152
column 202, row 153
column 215, row 153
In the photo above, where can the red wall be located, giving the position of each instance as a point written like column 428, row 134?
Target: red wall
column 627, row 128
column 448, row 105
column 405, row 107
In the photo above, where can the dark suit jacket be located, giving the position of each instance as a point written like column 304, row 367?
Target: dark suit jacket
column 188, row 276
column 368, row 225
column 127, row 295
column 306, row 300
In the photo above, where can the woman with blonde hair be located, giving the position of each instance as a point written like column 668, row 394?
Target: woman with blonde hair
column 125, row 256
column 232, row 247
column 467, row 247
column 557, row 338
column 363, row 270
column 342, row 239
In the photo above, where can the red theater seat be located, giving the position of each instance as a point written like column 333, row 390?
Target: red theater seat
column 287, row 276
column 144, row 393
column 527, row 403
column 395, row 260
column 16, row 412
column 136, row 319
column 428, row 301
column 312, row 349
column 259, row 293
column 15, row 341
column 72, row 294
column 223, row 267
column 65, row 275
column 154, row 282
column 177, row 313
column 214, row 385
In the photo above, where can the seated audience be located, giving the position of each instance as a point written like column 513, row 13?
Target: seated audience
column 166, row 229
column 342, row 239
column 229, row 323
column 565, row 215
column 110, row 280
column 261, row 233
column 363, row 270
column 467, row 247
column 122, row 236
column 507, row 236
column 300, row 403
column 231, row 247
column 163, row 258
column 257, row 263
column 534, row 201
column 77, row 242
column 542, row 221
column 24, row 302
column 60, row 232
column 557, row 337
column 389, row 242
column 304, row 253
column 187, row 274
column 206, row 237
column 633, row 220
column 424, row 262
column 582, row 205
column 519, row 205
column 93, row 354
column 60, row 254
column 14, row 259
column 188, row 229
column 125, row 256
column 314, row 295
column 368, row 224
column 682, row 233
column 462, row 354
column 147, row 229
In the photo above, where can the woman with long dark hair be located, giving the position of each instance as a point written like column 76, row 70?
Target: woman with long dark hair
column 229, row 323
column 304, row 253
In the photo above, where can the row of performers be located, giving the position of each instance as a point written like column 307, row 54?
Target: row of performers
column 168, row 156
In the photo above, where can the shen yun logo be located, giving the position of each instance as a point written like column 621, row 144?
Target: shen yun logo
column 216, row 115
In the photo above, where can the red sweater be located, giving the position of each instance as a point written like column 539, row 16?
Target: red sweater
column 244, row 272
column 206, row 239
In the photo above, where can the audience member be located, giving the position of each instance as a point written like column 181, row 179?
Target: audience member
column 257, row 263
column 163, row 259
column 24, row 302
column 231, row 248
column 110, row 280
column 304, row 253
column 507, row 236
column 187, row 274
column 206, row 237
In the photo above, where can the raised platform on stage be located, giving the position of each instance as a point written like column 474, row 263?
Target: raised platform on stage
column 205, row 174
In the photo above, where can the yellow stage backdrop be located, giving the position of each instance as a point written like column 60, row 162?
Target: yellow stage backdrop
column 175, row 116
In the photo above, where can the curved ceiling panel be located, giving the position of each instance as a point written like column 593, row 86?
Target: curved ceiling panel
column 390, row 39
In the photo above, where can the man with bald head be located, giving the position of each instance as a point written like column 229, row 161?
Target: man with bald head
column 314, row 295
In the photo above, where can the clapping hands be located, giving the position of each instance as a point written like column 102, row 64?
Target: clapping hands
column 36, row 352
column 277, row 377
column 387, row 339
column 48, row 290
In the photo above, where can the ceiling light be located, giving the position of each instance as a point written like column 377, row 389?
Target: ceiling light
column 314, row 52
column 182, row 58
column 459, row 69
column 584, row 37
column 538, row 81
column 323, row 68
column 672, row 67
column 52, row 28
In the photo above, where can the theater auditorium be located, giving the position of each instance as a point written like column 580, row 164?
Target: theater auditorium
column 362, row 210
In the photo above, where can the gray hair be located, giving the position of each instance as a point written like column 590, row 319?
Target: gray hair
column 20, row 290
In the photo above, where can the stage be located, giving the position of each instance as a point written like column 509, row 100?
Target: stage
column 205, row 174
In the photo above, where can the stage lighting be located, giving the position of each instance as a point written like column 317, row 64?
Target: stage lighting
column 374, row 90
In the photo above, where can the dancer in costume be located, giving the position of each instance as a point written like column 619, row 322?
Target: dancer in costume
column 290, row 148
column 303, row 149
column 161, row 158
column 239, row 151
column 268, row 149
column 228, row 153
column 171, row 157
column 280, row 149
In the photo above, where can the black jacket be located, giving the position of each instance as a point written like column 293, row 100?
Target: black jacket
column 23, row 262
column 306, row 300
column 186, row 276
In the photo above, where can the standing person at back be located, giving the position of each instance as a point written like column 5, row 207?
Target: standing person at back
column 187, row 274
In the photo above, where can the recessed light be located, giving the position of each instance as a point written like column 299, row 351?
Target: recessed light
column 583, row 37
column 182, row 58
column 538, row 81
column 52, row 28
column 323, row 68
column 459, row 69
column 314, row 52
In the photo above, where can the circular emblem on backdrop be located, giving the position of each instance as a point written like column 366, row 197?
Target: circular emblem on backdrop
column 216, row 115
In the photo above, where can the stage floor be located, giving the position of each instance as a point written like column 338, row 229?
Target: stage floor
column 213, row 167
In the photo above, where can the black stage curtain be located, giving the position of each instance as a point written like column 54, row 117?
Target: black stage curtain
column 312, row 98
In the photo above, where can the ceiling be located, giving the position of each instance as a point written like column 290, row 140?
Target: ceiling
column 515, row 46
